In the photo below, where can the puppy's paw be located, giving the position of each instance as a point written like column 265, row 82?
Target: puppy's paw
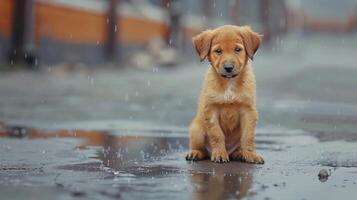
column 195, row 155
column 247, row 156
column 219, row 156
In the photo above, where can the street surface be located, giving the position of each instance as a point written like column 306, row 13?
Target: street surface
column 104, row 133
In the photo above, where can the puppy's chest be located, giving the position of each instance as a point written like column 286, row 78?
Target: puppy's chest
column 229, row 118
column 230, row 100
column 230, row 93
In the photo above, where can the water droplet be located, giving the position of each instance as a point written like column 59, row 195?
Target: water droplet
column 155, row 69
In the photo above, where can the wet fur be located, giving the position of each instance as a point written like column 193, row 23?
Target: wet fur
column 224, row 126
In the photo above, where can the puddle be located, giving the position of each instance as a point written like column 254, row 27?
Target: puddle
column 110, row 164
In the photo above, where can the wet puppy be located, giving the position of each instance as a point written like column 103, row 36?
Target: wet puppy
column 224, row 126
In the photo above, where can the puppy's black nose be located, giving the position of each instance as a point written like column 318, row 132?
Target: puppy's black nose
column 228, row 67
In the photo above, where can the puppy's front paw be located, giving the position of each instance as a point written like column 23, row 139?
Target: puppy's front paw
column 219, row 155
column 247, row 156
column 195, row 155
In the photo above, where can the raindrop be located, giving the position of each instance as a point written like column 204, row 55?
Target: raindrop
column 12, row 62
column 115, row 28
column 107, row 20
column 149, row 83
column 142, row 153
column 97, row 42
column 155, row 69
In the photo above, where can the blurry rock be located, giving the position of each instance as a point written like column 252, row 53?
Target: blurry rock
column 168, row 57
column 163, row 54
column 323, row 175
column 156, row 53
column 155, row 45
column 142, row 60
column 78, row 193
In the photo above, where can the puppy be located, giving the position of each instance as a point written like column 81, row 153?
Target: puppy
column 224, row 126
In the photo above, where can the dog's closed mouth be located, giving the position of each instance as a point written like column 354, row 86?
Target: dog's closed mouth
column 229, row 76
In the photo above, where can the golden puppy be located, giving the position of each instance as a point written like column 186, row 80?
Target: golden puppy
column 224, row 126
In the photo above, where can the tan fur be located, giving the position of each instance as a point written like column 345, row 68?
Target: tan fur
column 224, row 126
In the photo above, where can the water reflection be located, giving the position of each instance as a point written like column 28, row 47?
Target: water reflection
column 148, row 157
column 217, row 181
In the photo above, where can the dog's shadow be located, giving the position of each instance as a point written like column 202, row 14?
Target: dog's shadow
column 221, row 181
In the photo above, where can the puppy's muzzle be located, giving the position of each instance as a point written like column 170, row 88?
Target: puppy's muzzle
column 228, row 67
column 228, row 70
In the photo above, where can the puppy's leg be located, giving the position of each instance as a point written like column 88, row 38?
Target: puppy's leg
column 197, row 142
column 247, row 153
column 216, row 138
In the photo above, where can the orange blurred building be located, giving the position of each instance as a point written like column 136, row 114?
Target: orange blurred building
column 79, row 31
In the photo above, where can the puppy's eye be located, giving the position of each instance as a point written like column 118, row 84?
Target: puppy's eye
column 218, row 51
column 237, row 49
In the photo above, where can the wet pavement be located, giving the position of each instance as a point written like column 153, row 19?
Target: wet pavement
column 71, row 164
column 122, row 134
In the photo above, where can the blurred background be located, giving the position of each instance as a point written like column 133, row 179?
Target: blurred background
column 96, row 97
column 92, row 32
column 71, row 61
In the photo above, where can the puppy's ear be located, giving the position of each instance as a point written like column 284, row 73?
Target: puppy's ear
column 251, row 40
column 202, row 43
